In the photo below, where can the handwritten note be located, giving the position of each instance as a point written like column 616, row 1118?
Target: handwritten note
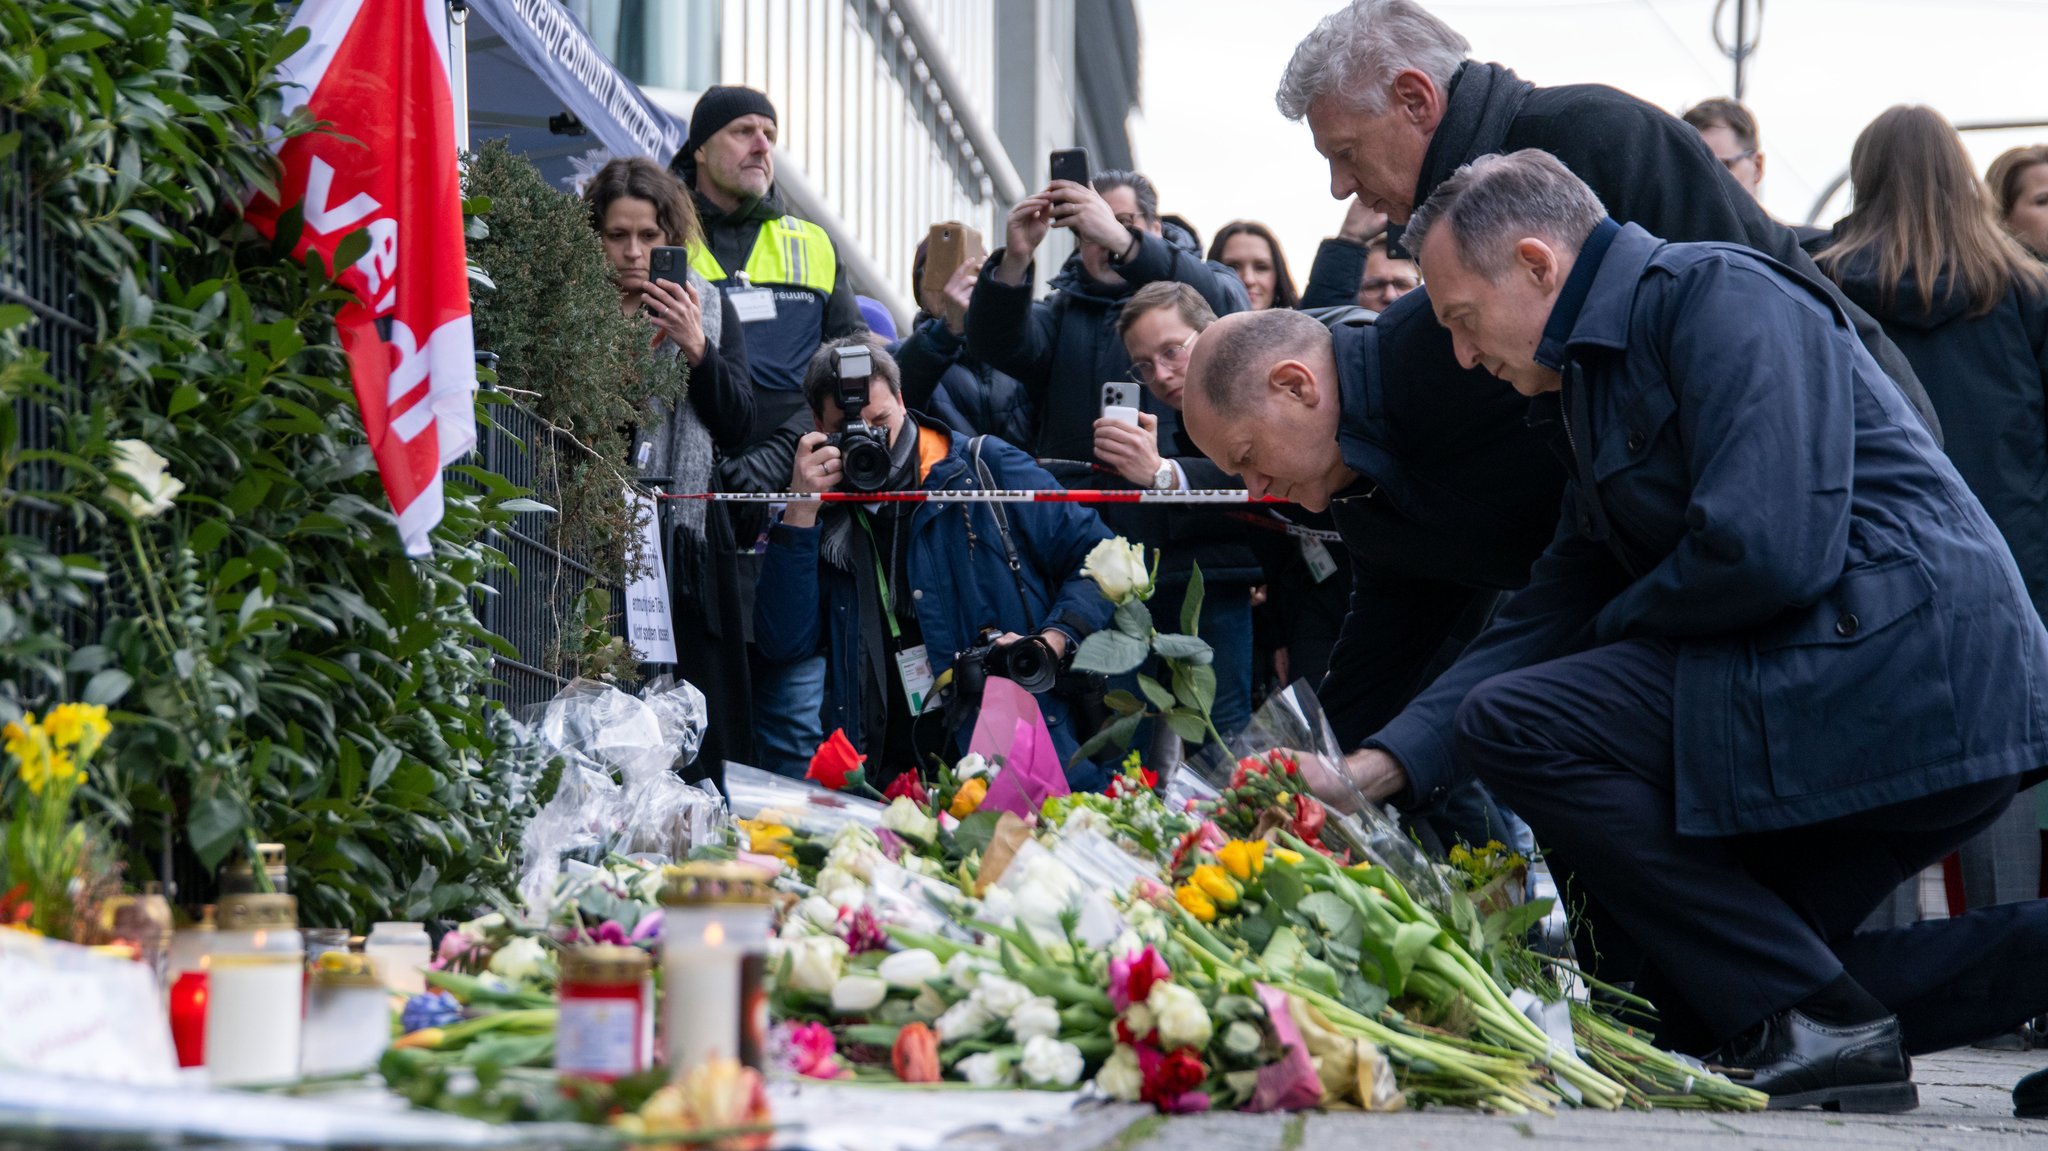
column 70, row 1011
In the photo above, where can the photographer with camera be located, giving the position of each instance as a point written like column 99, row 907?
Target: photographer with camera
column 897, row 594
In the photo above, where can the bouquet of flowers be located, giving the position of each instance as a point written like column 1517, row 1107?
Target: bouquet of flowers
column 55, row 870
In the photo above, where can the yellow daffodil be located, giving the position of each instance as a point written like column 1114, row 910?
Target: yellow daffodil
column 1216, row 884
column 1198, row 904
column 77, row 725
column 968, row 799
column 1242, row 858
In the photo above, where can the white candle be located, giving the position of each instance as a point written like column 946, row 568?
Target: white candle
column 700, row 987
column 252, row 1018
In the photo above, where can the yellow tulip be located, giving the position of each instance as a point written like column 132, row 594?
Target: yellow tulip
column 1243, row 858
column 1197, row 904
column 1285, row 856
column 1216, row 884
column 968, row 799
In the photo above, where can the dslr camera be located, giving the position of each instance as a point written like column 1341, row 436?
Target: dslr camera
column 863, row 450
column 1029, row 663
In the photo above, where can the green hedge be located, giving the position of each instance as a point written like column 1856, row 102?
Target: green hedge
column 278, row 667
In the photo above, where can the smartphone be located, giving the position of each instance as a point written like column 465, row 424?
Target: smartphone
column 1120, row 401
column 671, row 264
column 946, row 248
column 1071, row 164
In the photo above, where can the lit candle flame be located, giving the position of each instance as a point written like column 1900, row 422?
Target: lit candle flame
column 714, row 934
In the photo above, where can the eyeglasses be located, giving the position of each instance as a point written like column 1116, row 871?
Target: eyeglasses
column 1401, row 284
column 1729, row 162
column 1143, row 370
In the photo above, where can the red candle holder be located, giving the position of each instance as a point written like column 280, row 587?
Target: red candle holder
column 188, row 1018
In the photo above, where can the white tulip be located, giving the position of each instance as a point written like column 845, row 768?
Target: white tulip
column 1120, row 1077
column 970, row 766
column 910, row 969
column 141, row 463
column 1118, row 569
column 856, row 994
column 1181, row 1018
column 965, row 969
column 1051, row 1063
column 1037, row 1016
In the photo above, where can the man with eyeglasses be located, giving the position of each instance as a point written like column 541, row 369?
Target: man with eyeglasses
column 1387, row 277
column 1728, row 129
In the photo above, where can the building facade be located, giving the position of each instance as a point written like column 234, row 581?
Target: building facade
column 897, row 114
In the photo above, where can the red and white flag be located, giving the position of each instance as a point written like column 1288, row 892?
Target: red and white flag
column 375, row 70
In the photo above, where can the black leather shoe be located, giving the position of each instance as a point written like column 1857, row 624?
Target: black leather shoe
column 2030, row 1096
column 1801, row 1063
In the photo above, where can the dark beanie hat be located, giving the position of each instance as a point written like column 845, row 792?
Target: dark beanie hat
column 720, row 105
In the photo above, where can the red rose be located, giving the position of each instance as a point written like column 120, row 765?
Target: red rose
column 834, row 760
column 1167, row 1078
column 908, row 786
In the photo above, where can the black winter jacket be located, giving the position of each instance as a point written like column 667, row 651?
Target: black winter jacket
column 1986, row 375
column 1647, row 166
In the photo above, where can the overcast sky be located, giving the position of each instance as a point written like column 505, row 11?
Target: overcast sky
column 1208, row 133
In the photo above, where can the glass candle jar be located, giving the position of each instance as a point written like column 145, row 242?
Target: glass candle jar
column 348, row 1014
column 714, row 929
column 399, row 950
column 239, row 878
column 605, row 1029
column 255, row 991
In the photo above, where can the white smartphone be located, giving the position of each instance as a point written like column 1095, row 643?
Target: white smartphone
column 1120, row 401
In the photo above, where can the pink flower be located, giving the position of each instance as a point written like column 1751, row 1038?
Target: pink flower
column 1132, row 975
column 607, row 932
column 809, row 1050
column 455, row 947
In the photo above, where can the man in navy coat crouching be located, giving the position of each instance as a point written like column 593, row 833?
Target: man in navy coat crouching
column 1775, row 660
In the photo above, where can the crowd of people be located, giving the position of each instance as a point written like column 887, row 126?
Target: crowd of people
column 1706, row 553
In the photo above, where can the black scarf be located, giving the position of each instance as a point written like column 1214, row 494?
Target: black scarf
column 836, row 524
column 1478, row 110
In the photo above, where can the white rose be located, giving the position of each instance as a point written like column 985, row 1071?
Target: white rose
column 1138, row 1018
column 523, row 960
column 1120, row 1077
column 141, row 463
column 833, row 880
column 1000, row 996
column 1180, row 1016
column 815, row 963
column 853, row 837
column 1037, row 1016
column 910, row 969
column 907, row 819
column 855, row 994
column 984, row 1070
column 964, row 1020
column 1051, row 1063
column 1118, row 568
column 970, row 766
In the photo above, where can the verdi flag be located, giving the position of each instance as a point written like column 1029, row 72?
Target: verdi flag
column 384, row 164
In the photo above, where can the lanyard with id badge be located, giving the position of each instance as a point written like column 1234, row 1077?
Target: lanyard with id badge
column 913, row 663
column 749, row 303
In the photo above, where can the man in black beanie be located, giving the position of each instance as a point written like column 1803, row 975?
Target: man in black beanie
column 789, row 291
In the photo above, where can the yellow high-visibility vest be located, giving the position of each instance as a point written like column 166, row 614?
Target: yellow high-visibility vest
column 787, row 251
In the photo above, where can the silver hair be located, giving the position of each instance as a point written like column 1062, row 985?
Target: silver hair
column 1356, row 51
column 1496, row 200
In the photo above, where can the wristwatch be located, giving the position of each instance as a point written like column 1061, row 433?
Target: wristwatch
column 1163, row 479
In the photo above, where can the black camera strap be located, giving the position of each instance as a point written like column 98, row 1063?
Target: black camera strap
column 988, row 484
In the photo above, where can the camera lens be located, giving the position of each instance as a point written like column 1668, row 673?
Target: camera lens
column 1029, row 664
column 864, row 463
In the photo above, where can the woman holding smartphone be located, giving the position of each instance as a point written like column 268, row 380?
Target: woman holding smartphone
column 637, row 207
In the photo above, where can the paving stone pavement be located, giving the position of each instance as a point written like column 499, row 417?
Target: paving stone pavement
column 1965, row 1102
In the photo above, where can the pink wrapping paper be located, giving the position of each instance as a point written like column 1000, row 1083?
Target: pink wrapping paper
column 1031, row 771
